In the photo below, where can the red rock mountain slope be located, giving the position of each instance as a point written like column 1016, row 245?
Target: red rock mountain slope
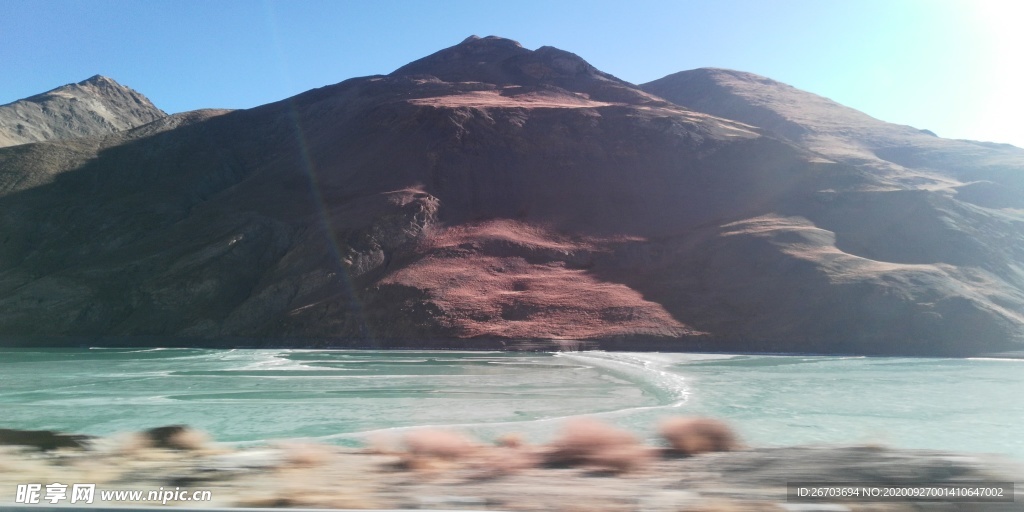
column 494, row 196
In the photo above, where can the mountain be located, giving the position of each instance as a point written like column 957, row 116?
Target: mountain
column 898, row 157
column 96, row 106
column 491, row 196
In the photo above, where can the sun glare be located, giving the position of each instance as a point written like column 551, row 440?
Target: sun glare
column 997, row 29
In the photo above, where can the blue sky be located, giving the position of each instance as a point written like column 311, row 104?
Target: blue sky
column 952, row 66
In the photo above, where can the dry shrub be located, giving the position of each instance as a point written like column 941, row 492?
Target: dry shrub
column 692, row 436
column 190, row 439
column 428, row 449
column 510, row 454
column 510, row 441
column 498, row 461
column 305, row 454
column 127, row 443
column 177, row 437
column 383, row 444
column 588, row 442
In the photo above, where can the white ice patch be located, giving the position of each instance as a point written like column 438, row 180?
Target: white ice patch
column 647, row 370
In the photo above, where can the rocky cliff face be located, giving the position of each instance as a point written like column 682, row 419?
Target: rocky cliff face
column 97, row 106
column 489, row 192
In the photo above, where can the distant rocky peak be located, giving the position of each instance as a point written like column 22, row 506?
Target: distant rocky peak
column 495, row 59
column 96, row 87
column 97, row 105
column 476, row 40
column 476, row 59
column 99, row 80
column 500, row 61
column 102, row 83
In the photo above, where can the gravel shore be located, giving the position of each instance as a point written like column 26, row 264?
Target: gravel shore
column 510, row 476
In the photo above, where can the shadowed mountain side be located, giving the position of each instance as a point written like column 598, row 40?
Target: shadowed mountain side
column 490, row 192
column 97, row 106
column 31, row 165
column 794, row 290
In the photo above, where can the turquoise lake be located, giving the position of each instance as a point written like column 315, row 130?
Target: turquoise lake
column 343, row 397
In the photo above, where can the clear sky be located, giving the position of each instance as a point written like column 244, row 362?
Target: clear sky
column 952, row 66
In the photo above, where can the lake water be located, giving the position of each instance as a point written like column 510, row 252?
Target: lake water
column 244, row 396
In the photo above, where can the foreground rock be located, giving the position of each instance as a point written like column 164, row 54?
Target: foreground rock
column 452, row 474
column 41, row 439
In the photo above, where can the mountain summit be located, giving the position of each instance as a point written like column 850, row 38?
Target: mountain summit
column 492, row 196
column 504, row 62
column 95, row 106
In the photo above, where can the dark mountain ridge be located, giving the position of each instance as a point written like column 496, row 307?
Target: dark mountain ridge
column 489, row 194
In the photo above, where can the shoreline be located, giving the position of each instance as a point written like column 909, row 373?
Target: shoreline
column 695, row 344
